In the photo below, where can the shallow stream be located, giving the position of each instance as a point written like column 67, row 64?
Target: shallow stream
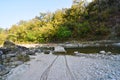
column 108, row 47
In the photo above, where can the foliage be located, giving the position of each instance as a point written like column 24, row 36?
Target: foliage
column 63, row 32
column 3, row 35
column 84, row 29
column 81, row 21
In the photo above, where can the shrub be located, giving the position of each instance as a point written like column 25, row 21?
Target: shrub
column 102, row 30
column 63, row 32
column 83, row 29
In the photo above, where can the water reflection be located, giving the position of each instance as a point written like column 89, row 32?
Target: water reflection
column 108, row 47
column 93, row 49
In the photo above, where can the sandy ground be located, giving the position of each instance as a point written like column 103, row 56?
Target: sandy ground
column 64, row 67
column 38, row 45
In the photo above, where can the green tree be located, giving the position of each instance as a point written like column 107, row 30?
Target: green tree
column 63, row 33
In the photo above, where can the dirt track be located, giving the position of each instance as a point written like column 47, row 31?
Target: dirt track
column 52, row 67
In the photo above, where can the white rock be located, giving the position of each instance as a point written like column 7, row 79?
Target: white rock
column 102, row 52
column 109, row 52
column 59, row 49
column 76, row 52
column 71, row 45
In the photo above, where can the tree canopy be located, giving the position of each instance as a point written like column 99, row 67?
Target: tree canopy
column 83, row 21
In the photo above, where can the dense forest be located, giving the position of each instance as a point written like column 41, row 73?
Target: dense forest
column 97, row 20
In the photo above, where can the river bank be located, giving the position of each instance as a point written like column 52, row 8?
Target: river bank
column 87, row 67
column 44, row 56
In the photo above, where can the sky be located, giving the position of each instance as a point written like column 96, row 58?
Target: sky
column 12, row 11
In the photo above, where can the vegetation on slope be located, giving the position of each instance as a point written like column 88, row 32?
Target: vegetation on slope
column 97, row 20
column 3, row 35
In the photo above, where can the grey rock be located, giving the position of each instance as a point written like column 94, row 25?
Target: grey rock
column 46, row 51
column 11, row 55
column 9, row 47
column 5, row 50
column 2, row 67
column 71, row 45
column 59, row 49
column 30, row 52
column 3, row 70
column 13, row 59
column 1, row 52
column 8, row 44
column 16, row 63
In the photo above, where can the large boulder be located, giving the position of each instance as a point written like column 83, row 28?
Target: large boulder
column 9, row 44
column 59, row 49
column 11, row 48
column 15, row 52
column 13, row 55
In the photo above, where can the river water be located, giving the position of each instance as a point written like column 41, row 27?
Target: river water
column 88, row 48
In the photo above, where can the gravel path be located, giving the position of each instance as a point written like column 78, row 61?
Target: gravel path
column 63, row 67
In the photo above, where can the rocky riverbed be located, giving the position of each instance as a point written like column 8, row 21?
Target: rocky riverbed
column 64, row 67
column 12, row 55
column 56, row 62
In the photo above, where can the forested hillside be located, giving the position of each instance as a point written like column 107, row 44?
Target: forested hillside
column 3, row 35
column 97, row 20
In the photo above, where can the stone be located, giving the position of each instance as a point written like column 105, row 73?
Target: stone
column 3, row 70
column 1, row 59
column 59, row 49
column 10, row 47
column 16, row 63
column 5, row 50
column 46, row 51
column 70, row 45
column 102, row 52
column 76, row 52
column 13, row 59
column 22, row 47
column 8, row 44
column 23, row 57
column 30, row 52
column 2, row 67
column 38, row 51
column 1, row 53
column 11, row 55
column 109, row 53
